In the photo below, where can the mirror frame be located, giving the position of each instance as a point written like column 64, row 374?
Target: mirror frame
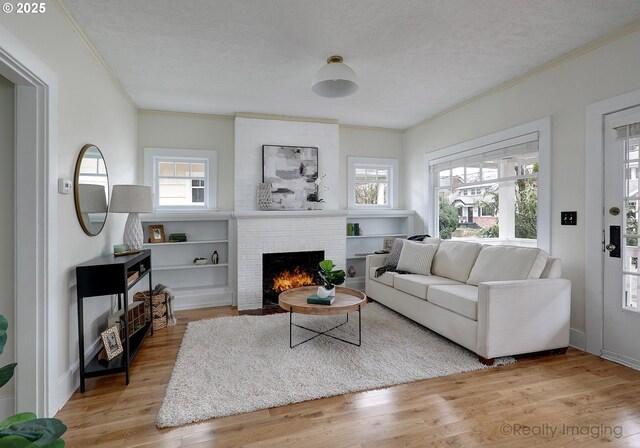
column 76, row 195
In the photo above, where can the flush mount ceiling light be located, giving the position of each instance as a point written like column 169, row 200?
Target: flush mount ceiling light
column 335, row 79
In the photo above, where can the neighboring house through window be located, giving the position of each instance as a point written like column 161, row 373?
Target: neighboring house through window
column 372, row 182
column 493, row 188
column 182, row 179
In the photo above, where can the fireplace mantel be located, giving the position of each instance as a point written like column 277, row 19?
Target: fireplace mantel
column 261, row 214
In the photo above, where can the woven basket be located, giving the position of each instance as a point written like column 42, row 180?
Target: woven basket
column 159, row 322
column 159, row 310
column 157, row 300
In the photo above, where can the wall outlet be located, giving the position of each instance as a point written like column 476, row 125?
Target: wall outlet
column 569, row 218
column 64, row 186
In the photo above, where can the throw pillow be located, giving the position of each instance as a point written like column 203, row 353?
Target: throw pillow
column 394, row 253
column 417, row 257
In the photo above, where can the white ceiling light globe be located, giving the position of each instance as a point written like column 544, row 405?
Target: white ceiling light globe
column 335, row 80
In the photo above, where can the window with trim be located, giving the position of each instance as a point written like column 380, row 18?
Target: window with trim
column 499, row 181
column 181, row 179
column 372, row 182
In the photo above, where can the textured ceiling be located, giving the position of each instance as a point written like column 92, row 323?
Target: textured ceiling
column 414, row 58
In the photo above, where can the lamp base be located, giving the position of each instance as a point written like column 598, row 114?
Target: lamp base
column 133, row 232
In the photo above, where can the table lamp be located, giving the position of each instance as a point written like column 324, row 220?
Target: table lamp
column 132, row 199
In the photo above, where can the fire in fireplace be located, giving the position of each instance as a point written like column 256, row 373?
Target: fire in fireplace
column 286, row 270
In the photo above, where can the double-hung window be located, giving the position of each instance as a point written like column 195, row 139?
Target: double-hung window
column 372, row 182
column 181, row 179
column 491, row 191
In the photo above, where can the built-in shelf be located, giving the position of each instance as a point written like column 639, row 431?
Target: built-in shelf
column 195, row 285
column 382, row 235
column 375, row 225
column 185, row 243
column 189, row 266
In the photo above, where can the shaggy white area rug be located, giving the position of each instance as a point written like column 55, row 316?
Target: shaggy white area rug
column 232, row 365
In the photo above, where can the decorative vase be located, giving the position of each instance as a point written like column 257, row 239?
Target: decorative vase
column 323, row 293
column 264, row 196
column 215, row 257
column 352, row 271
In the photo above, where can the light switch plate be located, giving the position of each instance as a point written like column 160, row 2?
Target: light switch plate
column 569, row 218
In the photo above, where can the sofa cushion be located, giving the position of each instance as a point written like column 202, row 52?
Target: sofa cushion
column 417, row 285
column 460, row 299
column 417, row 257
column 497, row 263
column 430, row 240
column 455, row 259
column 385, row 279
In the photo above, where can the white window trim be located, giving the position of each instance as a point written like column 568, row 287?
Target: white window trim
column 211, row 174
column 543, row 127
column 393, row 166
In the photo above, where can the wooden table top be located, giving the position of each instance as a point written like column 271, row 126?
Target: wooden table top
column 347, row 301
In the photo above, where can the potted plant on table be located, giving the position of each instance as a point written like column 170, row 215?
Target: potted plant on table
column 330, row 278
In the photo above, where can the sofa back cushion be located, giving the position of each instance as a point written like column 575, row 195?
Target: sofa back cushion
column 496, row 263
column 455, row 259
column 416, row 258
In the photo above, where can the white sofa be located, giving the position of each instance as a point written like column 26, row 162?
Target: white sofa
column 493, row 300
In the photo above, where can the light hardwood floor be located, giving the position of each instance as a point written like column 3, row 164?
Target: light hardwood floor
column 574, row 399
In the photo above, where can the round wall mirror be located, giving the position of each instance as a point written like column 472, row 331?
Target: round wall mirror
column 91, row 190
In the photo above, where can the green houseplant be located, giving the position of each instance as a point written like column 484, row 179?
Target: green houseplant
column 330, row 278
column 26, row 430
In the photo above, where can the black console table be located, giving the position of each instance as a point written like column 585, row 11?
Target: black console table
column 104, row 276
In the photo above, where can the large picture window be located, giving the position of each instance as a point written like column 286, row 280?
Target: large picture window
column 489, row 192
column 181, row 179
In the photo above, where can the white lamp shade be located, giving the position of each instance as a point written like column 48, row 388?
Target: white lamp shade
column 335, row 80
column 93, row 198
column 131, row 199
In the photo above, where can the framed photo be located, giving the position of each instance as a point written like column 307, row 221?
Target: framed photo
column 388, row 243
column 111, row 342
column 292, row 172
column 156, row 234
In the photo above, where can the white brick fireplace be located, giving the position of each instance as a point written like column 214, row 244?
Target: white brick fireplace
column 260, row 232
column 272, row 232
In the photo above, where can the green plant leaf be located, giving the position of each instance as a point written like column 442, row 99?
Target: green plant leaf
column 4, row 324
column 41, row 431
column 18, row 418
column 6, row 373
column 55, row 444
column 326, row 265
column 15, row 442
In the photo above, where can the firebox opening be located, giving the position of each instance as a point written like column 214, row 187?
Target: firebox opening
column 286, row 270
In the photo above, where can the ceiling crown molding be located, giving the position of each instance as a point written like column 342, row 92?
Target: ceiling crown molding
column 285, row 118
column 94, row 51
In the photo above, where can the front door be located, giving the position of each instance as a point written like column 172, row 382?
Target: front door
column 621, row 247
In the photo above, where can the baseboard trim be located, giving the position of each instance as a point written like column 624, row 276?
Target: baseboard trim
column 70, row 381
column 577, row 339
column 621, row 359
column 189, row 300
column 7, row 407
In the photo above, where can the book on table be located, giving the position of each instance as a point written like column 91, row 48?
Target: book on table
column 315, row 300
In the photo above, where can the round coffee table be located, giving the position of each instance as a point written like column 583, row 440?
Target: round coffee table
column 347, row 301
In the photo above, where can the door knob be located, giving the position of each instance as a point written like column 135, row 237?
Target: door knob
column 610, row 247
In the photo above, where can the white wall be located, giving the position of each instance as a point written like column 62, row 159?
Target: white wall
column 7, row 203
column 252, row 133
column 562, row 92
column 191, row 131
column 91, row 110
column 369, row 142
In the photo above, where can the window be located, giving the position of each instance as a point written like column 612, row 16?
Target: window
column 372, row 182
column 499, row 181
column 181, row 179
